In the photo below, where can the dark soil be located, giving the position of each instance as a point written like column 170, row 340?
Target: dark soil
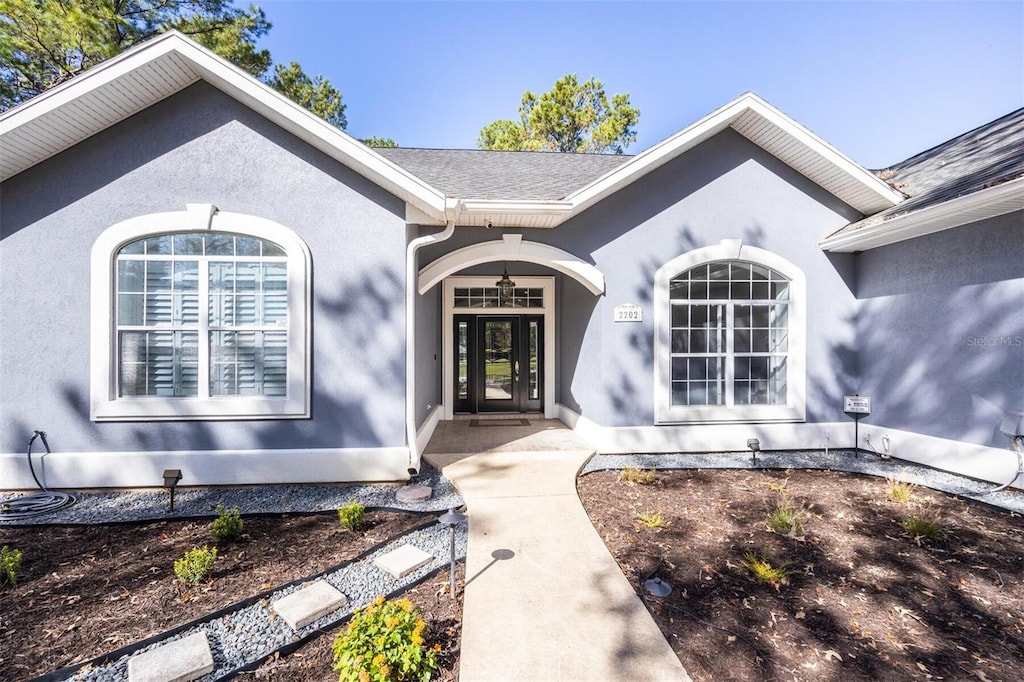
column 83, row 591
column 863, row 599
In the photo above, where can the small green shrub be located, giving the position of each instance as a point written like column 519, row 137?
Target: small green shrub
column 899, row 491
column 228, row 525
column 921, row 529
column 10, row 562
column 384, row 642
column 635, row 476
column 763, row 572
column 194, row 566
column 351, row 515
column 653, row 519
column 785, row 518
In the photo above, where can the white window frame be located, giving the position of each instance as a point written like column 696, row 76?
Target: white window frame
column 730, row 250
column 105, row 405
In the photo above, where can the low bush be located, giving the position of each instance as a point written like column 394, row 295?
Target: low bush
column 653, row 519
column 385, row 642
column 899, row 491
column 921, row 529
column 763, row 572
column 195, row 565
column 10, row 562
column 351, row 515
column 635, row 476
column 785, row 518
column 228, row 525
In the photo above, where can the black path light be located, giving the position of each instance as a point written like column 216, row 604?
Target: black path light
column 656, row 587
column 171, row 478
column 451, row 519
column 755, row 446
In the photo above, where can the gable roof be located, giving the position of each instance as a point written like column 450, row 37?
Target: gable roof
column 974, row 176
column 138, row 78
column 146, row 74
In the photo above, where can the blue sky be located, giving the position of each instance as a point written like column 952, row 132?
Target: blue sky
column 879, row 80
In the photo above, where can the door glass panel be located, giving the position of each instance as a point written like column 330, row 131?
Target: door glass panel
column 462, row 344
column 497, row 360
column 533, row 360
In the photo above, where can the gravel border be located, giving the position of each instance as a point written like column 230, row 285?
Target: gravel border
column 1011, row 499
column 152, row 504
column 251, row 633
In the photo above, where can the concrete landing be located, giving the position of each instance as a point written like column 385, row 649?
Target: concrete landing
column 182, row 660
column 544, row 599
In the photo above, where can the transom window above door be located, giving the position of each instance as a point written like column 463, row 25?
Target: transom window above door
column 489, row 297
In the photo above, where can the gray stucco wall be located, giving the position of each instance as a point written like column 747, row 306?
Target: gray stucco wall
column 726, row 188
column 941, row 331
column 200, row 146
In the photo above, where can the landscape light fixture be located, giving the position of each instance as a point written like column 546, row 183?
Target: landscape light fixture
column 171, row 478
column 451, row 519
column 505, row 289
column 755, row 446
column 656, row 587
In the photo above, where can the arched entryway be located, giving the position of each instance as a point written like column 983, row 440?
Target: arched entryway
column 498, row 355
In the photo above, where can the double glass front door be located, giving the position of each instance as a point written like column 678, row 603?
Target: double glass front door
column 498, row 363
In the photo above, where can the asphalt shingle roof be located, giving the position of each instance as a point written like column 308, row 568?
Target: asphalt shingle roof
column 478, row 174
column 982, row 158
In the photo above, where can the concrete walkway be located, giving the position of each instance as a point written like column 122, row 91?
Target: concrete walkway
column 544, row 599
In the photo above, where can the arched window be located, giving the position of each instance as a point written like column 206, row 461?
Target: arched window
column 729, row 337
column 199, row 323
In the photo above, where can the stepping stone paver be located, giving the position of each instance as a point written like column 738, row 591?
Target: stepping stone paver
column 402, row 561
column 414, row 493
column 182, row 660
column 309, row 604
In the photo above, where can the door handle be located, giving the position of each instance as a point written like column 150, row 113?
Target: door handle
column 515, row 369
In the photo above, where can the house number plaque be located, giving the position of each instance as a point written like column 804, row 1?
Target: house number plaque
column 629, row 312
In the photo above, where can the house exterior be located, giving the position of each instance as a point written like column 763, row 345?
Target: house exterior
column 197, row 273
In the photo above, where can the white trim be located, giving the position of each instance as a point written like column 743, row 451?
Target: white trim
column 988, row 203
column 78, row 470
column 448, row 334
column 175, row 49
column 512, row 248
column 104, row 403
column 730, row 249
column 969, row 459
column 424, row 433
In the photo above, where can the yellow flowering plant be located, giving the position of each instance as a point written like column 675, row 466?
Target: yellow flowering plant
column 384, row 642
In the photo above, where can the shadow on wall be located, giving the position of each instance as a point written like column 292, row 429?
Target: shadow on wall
column 950, row 366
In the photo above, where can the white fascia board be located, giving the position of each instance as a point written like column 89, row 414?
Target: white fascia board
column 500, row 207
column 251, row 92
column 708, row 127
column 989, row 203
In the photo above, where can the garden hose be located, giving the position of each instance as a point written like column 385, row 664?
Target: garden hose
column 1018, row 447
column 36, row 503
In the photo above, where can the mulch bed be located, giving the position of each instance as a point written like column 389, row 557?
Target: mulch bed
column 86, row 590
column 863, row 599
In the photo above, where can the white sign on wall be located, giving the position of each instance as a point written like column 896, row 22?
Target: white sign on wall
column 629, row 312
column 857, row 404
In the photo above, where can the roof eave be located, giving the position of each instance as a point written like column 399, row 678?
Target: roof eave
column 828, row 167
column 241, row 86
column 988, row 203
column 514, row 213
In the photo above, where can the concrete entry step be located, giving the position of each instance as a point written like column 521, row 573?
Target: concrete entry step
column 182, row 660
column 312, row 602
column 402, row 561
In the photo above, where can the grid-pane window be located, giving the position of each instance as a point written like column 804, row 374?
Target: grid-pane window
column 202, row 315
column 488, row 297
column 729, row 335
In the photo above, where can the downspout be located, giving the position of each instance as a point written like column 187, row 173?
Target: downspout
column 452, row 209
